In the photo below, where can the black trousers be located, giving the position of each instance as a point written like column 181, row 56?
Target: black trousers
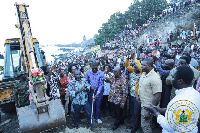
column 135, row 109
column 63, row 101
column 118, row 112
column 105, row 104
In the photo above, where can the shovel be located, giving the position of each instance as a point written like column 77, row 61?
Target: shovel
column 92, row 116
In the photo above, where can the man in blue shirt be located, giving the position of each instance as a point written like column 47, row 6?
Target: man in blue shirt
column 78, row 90
column 95, row 78
column 164, row 72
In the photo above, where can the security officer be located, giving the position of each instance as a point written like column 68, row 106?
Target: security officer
column 21, row 91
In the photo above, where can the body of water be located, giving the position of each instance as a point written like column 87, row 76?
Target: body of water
column 56, row 51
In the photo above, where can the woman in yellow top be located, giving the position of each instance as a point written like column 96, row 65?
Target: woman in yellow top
column 136, row 72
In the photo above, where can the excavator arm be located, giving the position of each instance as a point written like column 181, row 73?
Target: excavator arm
column 26, row 41
column 42, row 114
column 28, row 55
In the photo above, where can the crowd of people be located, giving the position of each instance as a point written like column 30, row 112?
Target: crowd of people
column 127, row 80
column 124, row 84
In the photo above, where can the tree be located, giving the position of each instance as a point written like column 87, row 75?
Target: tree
column 138, row 13
column 134, row 12
column 108, row 30
column 152, row 8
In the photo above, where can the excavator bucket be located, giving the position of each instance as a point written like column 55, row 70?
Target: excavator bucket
column 30, row 121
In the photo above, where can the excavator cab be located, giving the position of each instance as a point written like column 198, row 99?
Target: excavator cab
column 11, row 62
column 10, row 69
column 41, row 114
column 12, row 59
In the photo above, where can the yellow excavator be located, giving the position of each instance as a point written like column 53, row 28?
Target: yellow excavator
column 23, row 54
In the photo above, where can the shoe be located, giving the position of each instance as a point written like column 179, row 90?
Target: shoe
column 75, row 127
column 68, row 114
column 99, row 121
column 121, row 122
column 115, row 127
column 133, row 130
column 129, row 127
column 112, row 115
column 88, row 126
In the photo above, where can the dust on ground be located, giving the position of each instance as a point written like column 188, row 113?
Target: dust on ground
column 106, row 127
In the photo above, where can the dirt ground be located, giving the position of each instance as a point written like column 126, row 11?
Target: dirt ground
column 10, row 125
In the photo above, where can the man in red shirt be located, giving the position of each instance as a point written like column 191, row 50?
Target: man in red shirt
column 63, row 86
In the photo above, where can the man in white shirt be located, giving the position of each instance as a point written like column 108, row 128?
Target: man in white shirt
column 182, row 112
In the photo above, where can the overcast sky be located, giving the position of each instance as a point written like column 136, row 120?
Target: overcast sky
column 60, row 21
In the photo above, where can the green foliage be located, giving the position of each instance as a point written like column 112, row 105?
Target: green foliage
column 152, row 8
column 91, row 45
column 137, row 13
column 113, row 27
column 134, row 12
